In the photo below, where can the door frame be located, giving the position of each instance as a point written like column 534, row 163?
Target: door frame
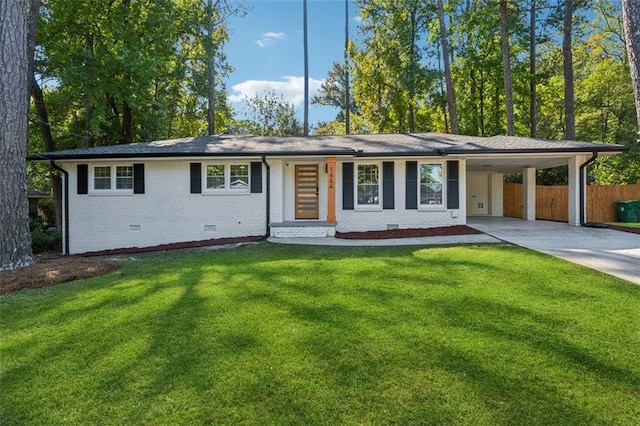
column 296, row 191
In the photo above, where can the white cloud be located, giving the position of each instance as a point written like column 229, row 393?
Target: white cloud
column 270, row 38
column 357, row 18
column 291, row 88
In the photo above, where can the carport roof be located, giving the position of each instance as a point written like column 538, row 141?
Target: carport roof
column 370, row 145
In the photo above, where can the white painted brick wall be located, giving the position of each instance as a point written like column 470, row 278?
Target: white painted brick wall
column 353, row 220
column 166, row 213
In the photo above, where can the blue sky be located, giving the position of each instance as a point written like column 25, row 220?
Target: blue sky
column 266, row 50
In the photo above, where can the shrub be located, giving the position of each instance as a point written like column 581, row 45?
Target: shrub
column 43, row 240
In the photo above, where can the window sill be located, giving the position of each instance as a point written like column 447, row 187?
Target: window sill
column 224, row 192
column 429, row 208
column 111, row 193
column 373, row 208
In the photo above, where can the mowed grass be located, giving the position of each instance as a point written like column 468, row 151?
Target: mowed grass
column 626, row 224
column 269, row 334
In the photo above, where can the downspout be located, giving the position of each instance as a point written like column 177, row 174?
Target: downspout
column 264, row 161
column 583, row 190
column 65, row 208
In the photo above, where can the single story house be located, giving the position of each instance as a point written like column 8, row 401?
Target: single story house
column 226, row 186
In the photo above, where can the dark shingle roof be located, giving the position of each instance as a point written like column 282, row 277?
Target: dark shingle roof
column 361, row 145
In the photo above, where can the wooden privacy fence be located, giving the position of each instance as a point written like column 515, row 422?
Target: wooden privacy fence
column 552, row 202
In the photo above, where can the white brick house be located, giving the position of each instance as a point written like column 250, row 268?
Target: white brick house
column 164, row 192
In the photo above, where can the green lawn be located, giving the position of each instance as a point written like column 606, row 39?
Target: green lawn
column 270, row 334
column 626, row 224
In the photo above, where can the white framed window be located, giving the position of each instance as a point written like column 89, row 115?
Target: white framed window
column 101, row 178
column 124, row 177
column 231, row 178
column 215, row 176
column 112, row 178
column 368, row 185
column 431, row 185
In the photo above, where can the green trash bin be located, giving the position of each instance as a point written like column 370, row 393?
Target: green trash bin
column 624, row 211
column 628, row 211
column 634, row 205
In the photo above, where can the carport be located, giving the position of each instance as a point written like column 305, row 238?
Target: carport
column 485, row 173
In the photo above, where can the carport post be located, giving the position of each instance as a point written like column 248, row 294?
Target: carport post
column 574, row 189
column 529, row 193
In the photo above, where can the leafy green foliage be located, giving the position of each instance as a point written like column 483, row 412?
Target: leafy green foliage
column 269, row 115
column 43, row 240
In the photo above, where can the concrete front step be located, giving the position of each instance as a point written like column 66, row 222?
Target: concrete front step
column 305, row 229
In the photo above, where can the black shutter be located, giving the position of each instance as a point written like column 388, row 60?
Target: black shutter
column 453, row 185
column 412, row 185
column 388, row 186
column 347, row 186
column 138, row 178
column 256, row 177
column 83, row 179
column 196, row 178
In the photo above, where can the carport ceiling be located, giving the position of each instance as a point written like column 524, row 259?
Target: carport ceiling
column 513, row 163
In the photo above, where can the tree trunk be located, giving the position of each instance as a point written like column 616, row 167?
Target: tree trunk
column 347, row 91
column 127, row 118
column 506, row 65
column 15, row 242
column 306, row 69
column 451, row 96
column 412, row 80
column 533, row 100
column 88, row 101
column 211, row 71
column 127, row 112
column 631, row 22
column 569, row 106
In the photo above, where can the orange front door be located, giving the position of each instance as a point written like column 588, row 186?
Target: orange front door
column 307, row 205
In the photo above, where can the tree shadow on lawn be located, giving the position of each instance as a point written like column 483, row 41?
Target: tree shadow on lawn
column 257, row 339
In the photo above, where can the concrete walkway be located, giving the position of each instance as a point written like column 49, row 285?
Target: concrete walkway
column 421, row 241
column 613, row 252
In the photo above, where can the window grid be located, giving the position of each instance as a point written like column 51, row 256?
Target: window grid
column 215, row 176
column 227, row 177
column 102, row 177
column 368, row 187
column 239, row 176
column 124, row 177
column 431, row 184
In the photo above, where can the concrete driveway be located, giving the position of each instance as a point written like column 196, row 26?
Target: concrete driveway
column 612, row 252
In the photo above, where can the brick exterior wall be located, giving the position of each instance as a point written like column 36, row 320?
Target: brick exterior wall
column 358, row 221
column 166, row 213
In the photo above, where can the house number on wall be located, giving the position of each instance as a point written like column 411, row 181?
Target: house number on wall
column 330, row 177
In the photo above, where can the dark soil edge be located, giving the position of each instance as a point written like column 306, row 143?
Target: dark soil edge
column 409, row 233
column 173, row 246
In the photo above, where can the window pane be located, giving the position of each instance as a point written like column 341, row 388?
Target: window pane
column 368, row 184
column 431, row 184
column 102, row 178
column 124, row 177
column 239, row 176
column 215, row 176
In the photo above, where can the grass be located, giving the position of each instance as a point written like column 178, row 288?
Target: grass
column 269, row 334
column 625, row 224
